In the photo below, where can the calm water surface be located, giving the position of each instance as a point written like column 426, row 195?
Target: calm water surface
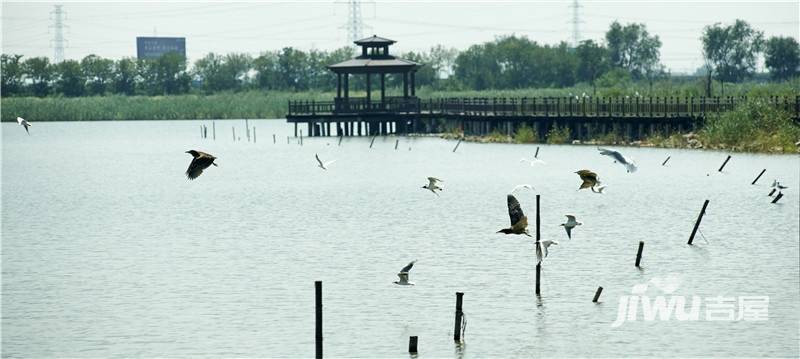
column 107, row 249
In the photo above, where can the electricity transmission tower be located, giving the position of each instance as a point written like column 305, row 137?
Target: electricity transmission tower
column 576, row 34
column 355, row 25
column 58, row 26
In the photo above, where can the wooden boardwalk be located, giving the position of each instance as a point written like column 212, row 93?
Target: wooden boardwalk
column 585, row 117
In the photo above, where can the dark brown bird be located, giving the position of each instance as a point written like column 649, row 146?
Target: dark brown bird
column 589, row 178
column 200, row 162
column 519, row 223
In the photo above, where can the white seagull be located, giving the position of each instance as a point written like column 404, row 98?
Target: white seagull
column 522, row 186
column 324, row 165
column 24, row 123
column 431, row 186
column 571, row 223
column 541, row 249
column 778, row 185
column 629, row 164
column 533, row 161
column 404, row 275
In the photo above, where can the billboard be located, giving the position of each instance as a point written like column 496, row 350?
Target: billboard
column 154, row 47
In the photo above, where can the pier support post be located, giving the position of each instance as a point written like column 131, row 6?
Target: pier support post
column 412, row 344
column 597, row 294
column 697, row 224
column 759, row 176
column 459, row 314
column 538, row 238
column 639, row 253
column 724, row 163
column 318, row 327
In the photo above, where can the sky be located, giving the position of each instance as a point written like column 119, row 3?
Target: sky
column 109, row 28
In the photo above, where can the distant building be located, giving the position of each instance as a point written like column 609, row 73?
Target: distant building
column 154, row 47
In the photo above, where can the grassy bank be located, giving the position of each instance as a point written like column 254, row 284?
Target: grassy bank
column 753, row 126
column 252, row 104
column 273, row 104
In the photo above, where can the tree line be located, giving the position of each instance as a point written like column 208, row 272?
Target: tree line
column 628, row 52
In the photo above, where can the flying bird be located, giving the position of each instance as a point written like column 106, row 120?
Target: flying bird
column 571, row 223
column 533, row 161
column 778, row 185
column 522, row 186
column 200, row 162
column 24, row 123
column 599, row 189
column 323, row 165
column 590, row 179
column 404, row 275
column 629, row 164
column 519, row 223
column 431, row 186
column 541, row 249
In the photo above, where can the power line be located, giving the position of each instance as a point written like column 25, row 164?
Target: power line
column 355, row 24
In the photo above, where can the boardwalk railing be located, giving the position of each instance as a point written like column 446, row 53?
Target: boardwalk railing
column 639, row 107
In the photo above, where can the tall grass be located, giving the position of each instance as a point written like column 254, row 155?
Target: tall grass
column 558, row 135
column 252, row 104
column 751, row 126
column 526, row 134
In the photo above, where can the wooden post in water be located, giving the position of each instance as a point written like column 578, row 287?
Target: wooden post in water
column 597, row 294
column 318, row 327
column 412, row 344
column 459, row 142
column 274, row 139
column 536, row 155
column 371, row 142
column 639, row 253
column 459, row 314
column 205, row 131
column 233, row 130
column 538, row 238
column 247, row 129
column 396, row 143
column 301, row 137
column 759, row 176
column 772, row 192
column 778, row 197
column 340, row 140
column 213, row 130
column 665, row 161
column 697, row 224
column 724, row 163
column 254, row 134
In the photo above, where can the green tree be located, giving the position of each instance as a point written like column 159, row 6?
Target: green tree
column 98, row 73
column 266, row 68
column 782, row 57
column 165, row 75
column 39, row 71
column 124, row 77
column 12, row 73
column 70, row 79
column 731, row 52
column 292, row 69
column 593, row 61
column 632, row 48
column 475, row 69
column 220, row 73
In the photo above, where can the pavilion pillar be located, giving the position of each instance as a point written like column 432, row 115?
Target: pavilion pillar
column 405, row 84
column 338, row 85
column 369, row 89
column 413, row 84
column 346, row 85
column 383, row 88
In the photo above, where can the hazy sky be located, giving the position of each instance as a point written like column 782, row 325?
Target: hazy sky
column 109, row 28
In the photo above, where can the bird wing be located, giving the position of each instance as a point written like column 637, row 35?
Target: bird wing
column 319, row 160
column 403, row 277
column 329, row 163
column 569, row 231
column 20, row 120
column 613, row 154
column 408, row 267
column 539, row 254
column 570, row 218
column 195, row 169
column 433, row 180
column 198, row 164
column 587, row 183
column 514, row 210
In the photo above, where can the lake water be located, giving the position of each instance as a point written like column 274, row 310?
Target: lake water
column 108, row 250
